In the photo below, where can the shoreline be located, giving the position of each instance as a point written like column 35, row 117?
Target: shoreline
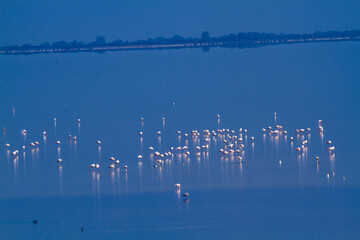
column 205, row 45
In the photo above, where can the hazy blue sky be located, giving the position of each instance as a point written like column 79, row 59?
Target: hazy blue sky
column 23, row 21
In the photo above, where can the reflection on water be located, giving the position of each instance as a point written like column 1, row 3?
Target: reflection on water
column 99, row 153
column 24, row 137
column 275, row 118
column 7, row 154
column 79, row 129
column 44, row 146
column 24, row 160
column 55, row 127
column 33, row 158
column 118, row 190
column 60, row 180
column 321, row 134
column 241, row 183
column 159, row 142
column 58, row 150
column 16, row 169
column 141, row 145
column 75, row 146
column 95, row 180
column 332, row 162
column 112, row 177
column 179, row 140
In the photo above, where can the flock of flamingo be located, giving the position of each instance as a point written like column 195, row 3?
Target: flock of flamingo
column 232, row 145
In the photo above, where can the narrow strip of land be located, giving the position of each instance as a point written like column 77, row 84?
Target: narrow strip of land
column 169, row 43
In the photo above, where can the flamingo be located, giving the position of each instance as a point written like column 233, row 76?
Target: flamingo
column 186, row 195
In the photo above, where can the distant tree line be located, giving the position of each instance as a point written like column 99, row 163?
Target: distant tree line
column 241, row 39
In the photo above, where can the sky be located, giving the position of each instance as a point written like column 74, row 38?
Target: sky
column 34, row 22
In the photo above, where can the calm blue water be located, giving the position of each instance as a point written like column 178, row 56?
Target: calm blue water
column 259, row 199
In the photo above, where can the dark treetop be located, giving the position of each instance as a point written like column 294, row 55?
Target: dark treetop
column 232, row 40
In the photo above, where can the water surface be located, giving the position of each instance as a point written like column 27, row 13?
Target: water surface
column 259, row 199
